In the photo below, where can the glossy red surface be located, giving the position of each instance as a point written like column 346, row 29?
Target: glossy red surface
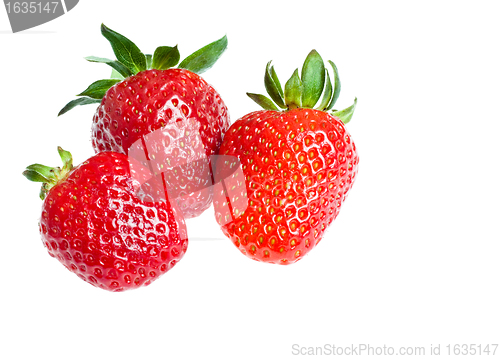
column 298, row 167
column 97, row 227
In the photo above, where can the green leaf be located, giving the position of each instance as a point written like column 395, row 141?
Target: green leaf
column 66, row 158
column 116, row 65
column 327, row 93
column 203, row 59
column 116, row 75
column 336, row 91
column 293, row 91
column 313, row 79
column 273, row 86
column 125, row 50
column 345, row 115
column 34, row 176
column 263, row 101
column 166, row 57
column 78, row 102
column 98, row 89
column 40, row 173
column 277, row 81
column 149, row 61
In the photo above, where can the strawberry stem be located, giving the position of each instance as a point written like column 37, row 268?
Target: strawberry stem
column 305, row 90
column 49, row 176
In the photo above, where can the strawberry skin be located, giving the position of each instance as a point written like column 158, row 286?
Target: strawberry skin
column 153, row 99
column 95, row 225
column 299, row 166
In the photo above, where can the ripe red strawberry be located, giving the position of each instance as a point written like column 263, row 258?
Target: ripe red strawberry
column 94, row 223
column 149, row 95
column 296, row 167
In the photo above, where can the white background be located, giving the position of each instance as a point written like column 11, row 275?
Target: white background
column 413, row 258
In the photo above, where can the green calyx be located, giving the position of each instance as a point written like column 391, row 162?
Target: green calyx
column 130, row 61
column 312, row 87
column 50, row 176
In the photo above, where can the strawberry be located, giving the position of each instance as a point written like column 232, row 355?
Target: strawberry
column 148, row 95
column 285, row 174
column 96, row 225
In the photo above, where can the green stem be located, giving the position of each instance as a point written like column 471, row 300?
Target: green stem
column 50, row 176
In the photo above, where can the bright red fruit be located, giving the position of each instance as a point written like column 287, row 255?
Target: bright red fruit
column 148, row 101
column 297, row 167
column 151, row 96
column 96, row 225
